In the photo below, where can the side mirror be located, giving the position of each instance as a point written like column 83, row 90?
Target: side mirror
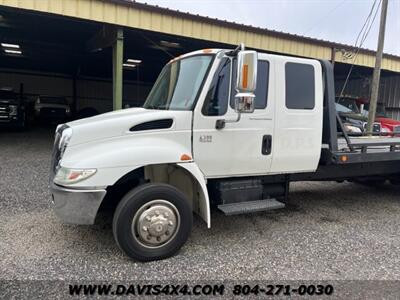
column 244, row 102
column 246, row 81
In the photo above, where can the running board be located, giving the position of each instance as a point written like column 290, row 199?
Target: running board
column 250, row 206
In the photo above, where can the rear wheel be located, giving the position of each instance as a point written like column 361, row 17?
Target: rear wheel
column 152, row 222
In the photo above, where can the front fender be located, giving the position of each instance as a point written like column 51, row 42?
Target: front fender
column 204, row 204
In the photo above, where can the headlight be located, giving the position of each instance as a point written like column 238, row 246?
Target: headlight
column 13, row 110
column 67, row 176
column 352, row 129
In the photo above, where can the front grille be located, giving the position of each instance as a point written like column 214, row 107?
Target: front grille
column 396, row 129
column 55, row 112
column 376, row 127
column 56, row 155
column 4, row 112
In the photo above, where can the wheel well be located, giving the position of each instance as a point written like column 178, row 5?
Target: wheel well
column 171, row 174
column 121, row 187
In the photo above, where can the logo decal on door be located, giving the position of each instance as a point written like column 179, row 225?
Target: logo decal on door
column 205, row 139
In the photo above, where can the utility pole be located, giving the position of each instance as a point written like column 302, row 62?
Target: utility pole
column 377, row 70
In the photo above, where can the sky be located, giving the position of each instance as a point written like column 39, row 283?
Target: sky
column 333, row 20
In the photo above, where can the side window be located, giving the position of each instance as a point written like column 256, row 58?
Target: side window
column 216, row 102
column 261, row 92
column 299, row 86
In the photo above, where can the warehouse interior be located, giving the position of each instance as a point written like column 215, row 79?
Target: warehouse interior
column 56, row 56
column 49, row 55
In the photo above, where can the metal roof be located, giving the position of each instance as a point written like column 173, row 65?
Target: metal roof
column 154, row 18
column 261, row 29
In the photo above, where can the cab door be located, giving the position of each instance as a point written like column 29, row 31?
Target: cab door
column 241, row 148
column 299, row 113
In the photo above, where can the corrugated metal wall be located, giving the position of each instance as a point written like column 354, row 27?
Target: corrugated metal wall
column 162, row 20
column 389, row 92
column 90, row 92
column 98, row 94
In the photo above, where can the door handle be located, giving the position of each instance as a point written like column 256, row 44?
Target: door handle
column 266, row 147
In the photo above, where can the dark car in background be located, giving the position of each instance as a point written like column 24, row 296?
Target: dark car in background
column 13, row 110
column 354, row 122
column 350, row 114
column 52, row 109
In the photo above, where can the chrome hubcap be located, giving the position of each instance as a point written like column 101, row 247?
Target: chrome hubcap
column 155, row 223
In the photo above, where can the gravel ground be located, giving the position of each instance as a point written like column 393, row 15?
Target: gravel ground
column 328, row 231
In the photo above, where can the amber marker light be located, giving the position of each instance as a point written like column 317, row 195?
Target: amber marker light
column 185, row 157
column 344, row 158
column 245, row 72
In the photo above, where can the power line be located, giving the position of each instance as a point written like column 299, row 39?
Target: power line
column 365, row 23
column 324, row 17
column 364, row 37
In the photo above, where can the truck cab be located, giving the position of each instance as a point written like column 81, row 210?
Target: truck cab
column 220, row 128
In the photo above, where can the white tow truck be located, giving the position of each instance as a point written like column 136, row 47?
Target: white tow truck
column 221, row 128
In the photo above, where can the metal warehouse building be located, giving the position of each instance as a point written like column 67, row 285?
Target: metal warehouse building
column 106, row 54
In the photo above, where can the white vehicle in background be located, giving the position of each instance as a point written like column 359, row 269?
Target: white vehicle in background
column 52, row 109
column 224, row 128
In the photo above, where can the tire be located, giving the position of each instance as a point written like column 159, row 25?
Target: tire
column 145, row 215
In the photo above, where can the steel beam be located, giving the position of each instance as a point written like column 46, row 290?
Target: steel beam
column 118, row 57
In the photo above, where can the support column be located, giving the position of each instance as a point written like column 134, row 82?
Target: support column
column 118, row 57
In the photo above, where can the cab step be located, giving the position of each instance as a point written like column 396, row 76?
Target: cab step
column 250, row 206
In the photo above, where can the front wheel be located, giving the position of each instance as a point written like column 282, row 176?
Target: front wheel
column 152, row 222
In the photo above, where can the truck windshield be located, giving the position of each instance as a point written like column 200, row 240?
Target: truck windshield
column 178, row 84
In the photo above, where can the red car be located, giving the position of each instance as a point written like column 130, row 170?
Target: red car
column 389, row 126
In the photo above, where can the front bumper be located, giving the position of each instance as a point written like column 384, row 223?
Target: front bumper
column 76, row 206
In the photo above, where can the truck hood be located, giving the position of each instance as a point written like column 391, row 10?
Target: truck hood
column 118, row 123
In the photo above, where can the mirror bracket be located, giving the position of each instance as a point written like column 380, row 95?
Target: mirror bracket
column 220, row 124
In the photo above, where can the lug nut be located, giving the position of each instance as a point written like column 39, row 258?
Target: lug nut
column 167, row 232
column 158, row 239
column 148, row 218
column 166, row 215
column 157, row 213
column 144, row 228
column 170, row 223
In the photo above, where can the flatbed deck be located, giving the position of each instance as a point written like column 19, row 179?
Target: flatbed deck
column 372, row 143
